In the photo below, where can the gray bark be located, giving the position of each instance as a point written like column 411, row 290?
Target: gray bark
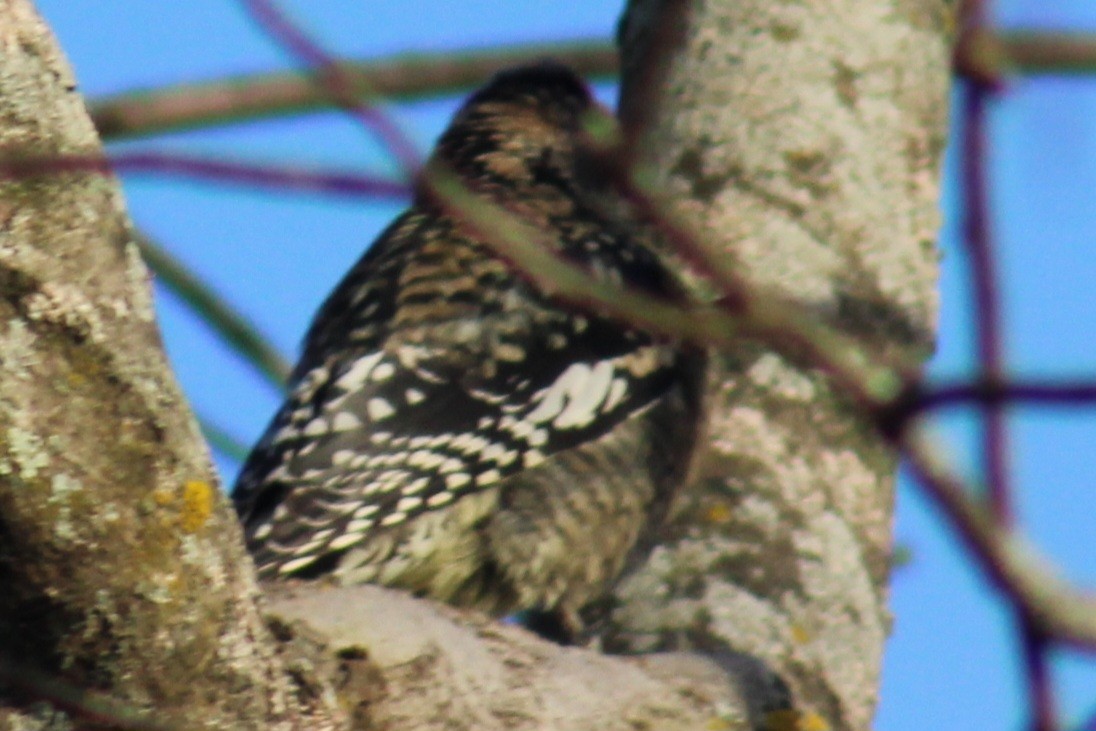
column 121, row 564
column 128, row 596
column 806, row 143
column 804, row 140
column 405, row 663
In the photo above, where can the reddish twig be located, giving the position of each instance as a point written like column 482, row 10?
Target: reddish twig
column 1040, row 684
column 87, row 709
column 1043, row 601
column 266, row 176
column 979, row 243
column 614, row 151
column 332, row 77
column 922, row 400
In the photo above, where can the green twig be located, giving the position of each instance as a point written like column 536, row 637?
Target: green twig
column 1038, row 52
column 231, row 326
column 87, row 708
column 990, row 56
column 257, row 96
column 222, row 441
column 243, row 98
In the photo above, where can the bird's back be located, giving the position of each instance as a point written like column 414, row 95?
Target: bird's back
column 453, row 431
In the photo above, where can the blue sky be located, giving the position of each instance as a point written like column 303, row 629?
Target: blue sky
column 951, row 663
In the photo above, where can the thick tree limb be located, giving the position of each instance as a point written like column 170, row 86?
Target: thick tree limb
column 444, row 669
column 806, row 142
column 122, row 569
column 128, row 599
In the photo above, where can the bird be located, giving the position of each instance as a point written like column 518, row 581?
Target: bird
column 452, row 430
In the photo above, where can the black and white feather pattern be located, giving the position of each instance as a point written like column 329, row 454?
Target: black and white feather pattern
column 434, row 371
column 385, row 423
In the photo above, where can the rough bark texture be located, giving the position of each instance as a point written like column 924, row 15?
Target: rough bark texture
column 122, row 567
column 805, row 140
column 120, row 561
column 404, row 663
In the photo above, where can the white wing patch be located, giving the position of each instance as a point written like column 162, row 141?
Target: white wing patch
column 617, row 389
column 404, row 474
column 585, row 396
column 354, row 378
column 580, row 394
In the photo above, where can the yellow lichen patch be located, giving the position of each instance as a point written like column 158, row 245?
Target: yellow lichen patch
column 786, row 720
column 197, row 504
column 813, row 722
column 800, row 634
column 163, row 498
column 792, row 720
column 718, row 513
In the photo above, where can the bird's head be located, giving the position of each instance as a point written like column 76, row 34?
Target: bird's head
column 522, row 129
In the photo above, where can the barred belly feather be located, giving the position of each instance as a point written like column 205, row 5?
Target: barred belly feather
column 453, row 431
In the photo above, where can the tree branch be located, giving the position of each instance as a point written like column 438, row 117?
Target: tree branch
column 230, row 325
column 145, row 112
column 781, row 549
column 122, row 566
column 408, row 77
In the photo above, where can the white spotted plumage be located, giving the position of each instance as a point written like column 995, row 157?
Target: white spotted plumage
column 440, row 399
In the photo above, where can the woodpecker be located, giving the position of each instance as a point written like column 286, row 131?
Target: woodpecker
column 455, row 432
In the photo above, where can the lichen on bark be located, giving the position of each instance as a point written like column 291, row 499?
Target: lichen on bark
column 804, row 142
column 120, row 575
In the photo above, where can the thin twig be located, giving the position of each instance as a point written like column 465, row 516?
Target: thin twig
column 926, row 399
column 1041, row 686
column 143, row 112
column 1057, row 609
column 783, row 324
column 987, row 306
column 235, row 329
column 279, row 178
column 344, row 90
column 88, row 709
column 223, row 441
column 979, row 245
column 407, row 77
